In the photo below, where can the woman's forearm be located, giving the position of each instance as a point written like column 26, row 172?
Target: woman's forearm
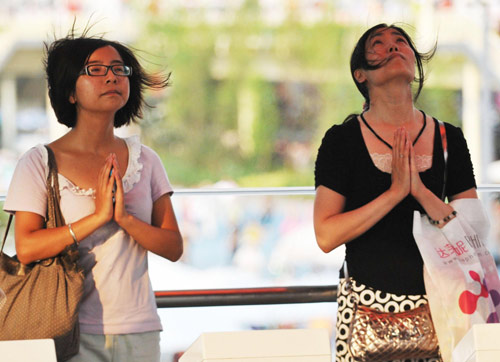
column 436, row 208
column 34, row 242
column 339, row 228
column 161, row 241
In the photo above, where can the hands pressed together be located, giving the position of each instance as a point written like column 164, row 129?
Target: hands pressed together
column 405, row 177
column 110, row 175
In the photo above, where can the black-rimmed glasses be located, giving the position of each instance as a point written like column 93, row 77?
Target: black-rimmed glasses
column 100, row 70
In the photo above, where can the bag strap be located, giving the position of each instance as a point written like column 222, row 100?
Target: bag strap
column 6, row 232
column 349, row 287
column 444, row 143
column 54, row 215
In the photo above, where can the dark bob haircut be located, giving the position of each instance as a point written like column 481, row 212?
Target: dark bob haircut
column 66, row 57
column 358, row 59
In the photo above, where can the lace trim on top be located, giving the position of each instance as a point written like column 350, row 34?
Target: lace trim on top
column 134, row 168
column 131, row 177
column 383, row 161
column 64, row 183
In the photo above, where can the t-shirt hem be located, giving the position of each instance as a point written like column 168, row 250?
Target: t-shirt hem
column 120, row 329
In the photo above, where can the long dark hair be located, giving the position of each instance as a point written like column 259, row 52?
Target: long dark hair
column 358, row 60
column 65, row 58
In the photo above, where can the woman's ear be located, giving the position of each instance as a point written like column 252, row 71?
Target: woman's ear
column 72, row 98
column 359, row 75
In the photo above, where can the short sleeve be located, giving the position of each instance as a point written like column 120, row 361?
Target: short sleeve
column 27, row 189
column 332, row 164
column 160, row 184
column 460, row 168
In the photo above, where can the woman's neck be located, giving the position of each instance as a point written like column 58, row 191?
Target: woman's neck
column 93, row 134
column 392, row 106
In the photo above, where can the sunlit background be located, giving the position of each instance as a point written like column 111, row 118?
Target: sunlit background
column 255, row 85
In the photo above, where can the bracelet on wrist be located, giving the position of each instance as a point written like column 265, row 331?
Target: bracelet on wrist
column 75, row 240
column 444, row 220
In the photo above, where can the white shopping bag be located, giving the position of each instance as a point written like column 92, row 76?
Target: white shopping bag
column 460, row 275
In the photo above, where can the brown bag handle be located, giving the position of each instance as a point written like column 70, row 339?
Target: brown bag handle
column 6, row 232
column 54, row 215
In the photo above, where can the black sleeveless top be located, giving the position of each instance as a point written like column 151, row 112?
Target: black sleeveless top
column 386, row 257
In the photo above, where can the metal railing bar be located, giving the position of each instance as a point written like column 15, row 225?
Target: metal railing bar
column 298, row 190
column 241, row 191
column 246, row 296
column 488, row 188
column 277, row 191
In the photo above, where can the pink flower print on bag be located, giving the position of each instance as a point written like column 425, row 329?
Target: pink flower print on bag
column 468, row 300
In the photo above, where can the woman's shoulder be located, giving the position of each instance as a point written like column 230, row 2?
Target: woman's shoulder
column 343, row 131
column 347, row 126
column 33, row 163
column 140, row 155
column 453, row 133
column 36, row 155
column 453, row 130
column 136, row 146
column 450, row 127
column 455, row 139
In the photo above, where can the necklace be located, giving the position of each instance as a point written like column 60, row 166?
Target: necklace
column 386, row 143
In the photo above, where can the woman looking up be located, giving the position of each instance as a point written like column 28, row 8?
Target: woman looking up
column 375, row 169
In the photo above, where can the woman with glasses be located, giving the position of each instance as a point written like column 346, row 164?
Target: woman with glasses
column 374, row 170
column 115, row 196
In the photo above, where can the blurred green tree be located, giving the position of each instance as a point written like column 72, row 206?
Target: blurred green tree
column 250, row 101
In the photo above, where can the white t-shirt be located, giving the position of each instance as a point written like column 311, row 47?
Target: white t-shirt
column 118, row 297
